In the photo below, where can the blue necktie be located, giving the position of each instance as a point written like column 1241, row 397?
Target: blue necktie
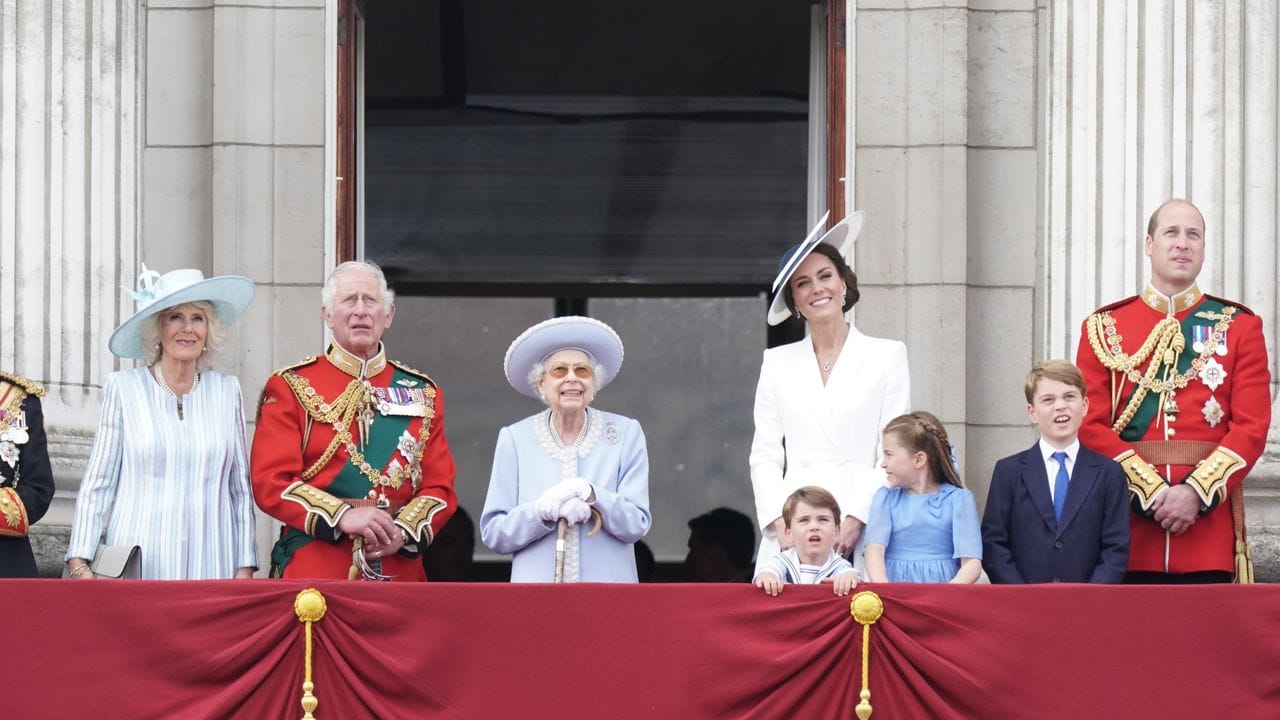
column 1060, row 485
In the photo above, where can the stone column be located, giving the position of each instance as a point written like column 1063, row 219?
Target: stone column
column 234, row 169
column 1147, row 101
column 946, row 170
column 68, row 209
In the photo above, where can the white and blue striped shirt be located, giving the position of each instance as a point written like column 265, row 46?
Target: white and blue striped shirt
column 787, row 566
column 179, row 489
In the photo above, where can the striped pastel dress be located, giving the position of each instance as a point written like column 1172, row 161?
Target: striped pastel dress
column 179, row 489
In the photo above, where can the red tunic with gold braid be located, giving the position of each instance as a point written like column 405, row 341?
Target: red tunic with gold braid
column 336, row 432
column 1179, row 392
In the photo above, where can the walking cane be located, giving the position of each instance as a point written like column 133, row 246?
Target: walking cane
column 562, row 529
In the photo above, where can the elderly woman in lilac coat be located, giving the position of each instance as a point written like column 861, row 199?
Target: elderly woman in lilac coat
column 569, row 462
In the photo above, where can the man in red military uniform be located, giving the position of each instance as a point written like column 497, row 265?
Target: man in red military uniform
column 1180, row 390
column 350, row 451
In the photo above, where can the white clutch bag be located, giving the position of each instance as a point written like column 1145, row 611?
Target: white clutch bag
column 118, row 562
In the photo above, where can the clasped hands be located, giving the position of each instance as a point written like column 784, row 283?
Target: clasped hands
column 1176, row 509
column 568, row 499
column 381, row 535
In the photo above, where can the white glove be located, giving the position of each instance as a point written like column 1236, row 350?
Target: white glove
column 548, row 503
column 581, row 488
column 575, row 511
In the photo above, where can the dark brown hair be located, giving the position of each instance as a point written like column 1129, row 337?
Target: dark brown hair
column 921, row 431
column 845, row 272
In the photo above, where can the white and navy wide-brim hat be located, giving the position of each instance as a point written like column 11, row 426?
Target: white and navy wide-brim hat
column 841, row 237
column 572, row 332
column 229, row 295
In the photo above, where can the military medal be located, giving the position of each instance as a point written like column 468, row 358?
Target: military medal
column 1199, row 334
column 1212, row 412
column 15, row 434
column 401, row 401
column 1212, row 374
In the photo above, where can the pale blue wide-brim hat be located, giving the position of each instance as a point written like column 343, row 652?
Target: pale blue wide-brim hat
column 229, row 295
column 841, row 237
column 572, row 332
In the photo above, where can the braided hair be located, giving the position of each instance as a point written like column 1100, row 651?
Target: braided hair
column 921, row 431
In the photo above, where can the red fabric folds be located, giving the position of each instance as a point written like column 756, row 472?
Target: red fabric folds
column 227, row 649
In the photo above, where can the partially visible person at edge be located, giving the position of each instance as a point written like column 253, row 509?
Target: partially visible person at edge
column 168, row 471
column 822, row 402
column 350, row 450
column 570, row 462
column 1179, row 385
column 26, row 478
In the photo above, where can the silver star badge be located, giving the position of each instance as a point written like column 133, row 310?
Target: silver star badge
column 1212, row 374
column 1212, row 412
column 408, row 446
column 9, row 453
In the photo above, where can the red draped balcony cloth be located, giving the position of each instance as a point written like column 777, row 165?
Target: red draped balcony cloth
column 234, row 649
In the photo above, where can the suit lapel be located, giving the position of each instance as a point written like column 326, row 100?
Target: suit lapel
column 1037, row 484
column 1083, row 477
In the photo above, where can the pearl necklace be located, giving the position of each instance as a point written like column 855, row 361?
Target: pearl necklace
column 582, row 432
column 159, row 376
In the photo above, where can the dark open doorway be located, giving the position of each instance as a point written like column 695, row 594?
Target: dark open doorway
column 643, row 162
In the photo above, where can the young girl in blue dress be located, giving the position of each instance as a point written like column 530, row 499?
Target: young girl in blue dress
column 924, row 526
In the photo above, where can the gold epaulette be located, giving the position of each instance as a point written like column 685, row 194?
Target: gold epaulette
column 30, row 387
column 413, row 371
column 308, row 360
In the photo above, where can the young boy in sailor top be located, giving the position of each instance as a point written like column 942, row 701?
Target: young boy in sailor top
column 809, row 515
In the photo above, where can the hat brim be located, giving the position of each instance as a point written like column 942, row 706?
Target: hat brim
column 229, row 295
column 562, row 333
column 841, row 237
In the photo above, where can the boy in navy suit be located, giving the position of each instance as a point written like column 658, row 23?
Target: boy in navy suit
column 1056, row 512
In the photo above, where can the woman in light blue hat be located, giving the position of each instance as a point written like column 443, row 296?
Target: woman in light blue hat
column 168, row 470
column 569, row 465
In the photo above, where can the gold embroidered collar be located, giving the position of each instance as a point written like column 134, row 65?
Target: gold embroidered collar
column 354, row 365
column 1160, row 302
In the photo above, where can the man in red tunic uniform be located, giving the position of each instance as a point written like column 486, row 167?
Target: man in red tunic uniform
column 350, row 451
column 1179, row 387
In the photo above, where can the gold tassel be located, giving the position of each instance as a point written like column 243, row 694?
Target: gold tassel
column 309, row 606
column 866, row 607
column 1244, row 563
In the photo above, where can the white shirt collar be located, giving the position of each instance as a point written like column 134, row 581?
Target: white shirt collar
column 1047, row 450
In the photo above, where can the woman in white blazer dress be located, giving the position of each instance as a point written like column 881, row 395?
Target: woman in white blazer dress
column 822, row 402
